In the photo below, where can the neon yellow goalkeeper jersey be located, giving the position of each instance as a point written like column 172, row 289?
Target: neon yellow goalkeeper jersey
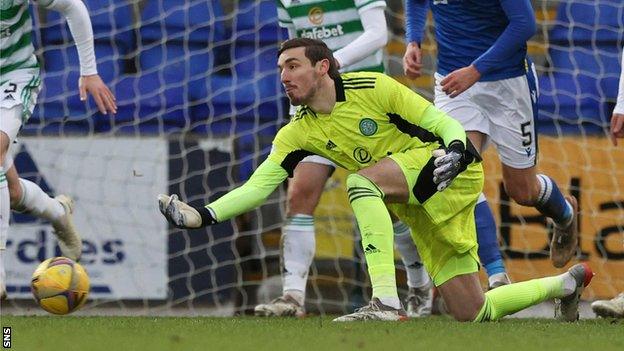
column 374, row 117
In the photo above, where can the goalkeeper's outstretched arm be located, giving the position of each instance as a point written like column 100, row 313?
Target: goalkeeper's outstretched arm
column 238, row 201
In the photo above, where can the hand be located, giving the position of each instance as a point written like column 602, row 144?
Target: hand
column 412, row 61
column 460, row 80
column 449, row 163
column 104, row 98
column 178, row 213
column 617, row 127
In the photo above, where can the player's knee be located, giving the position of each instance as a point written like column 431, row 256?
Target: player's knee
column 468, row 311
column 360, row 185
column 301, row 198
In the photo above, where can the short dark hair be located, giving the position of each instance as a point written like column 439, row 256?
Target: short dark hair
column 315, row 51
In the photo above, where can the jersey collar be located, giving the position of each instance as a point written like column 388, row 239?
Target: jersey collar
column 340, row 93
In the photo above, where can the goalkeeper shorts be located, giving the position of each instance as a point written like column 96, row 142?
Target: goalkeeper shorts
column 443, row 226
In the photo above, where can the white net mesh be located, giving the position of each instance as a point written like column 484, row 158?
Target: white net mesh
column 199, row 102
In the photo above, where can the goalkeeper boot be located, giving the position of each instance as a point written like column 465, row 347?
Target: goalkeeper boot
column 374, row 311
column 419, row 301
column 65, row 231
column 498, row 280
column 283, row 306
column 567, row 308
column 609, row 308
column 565, row 239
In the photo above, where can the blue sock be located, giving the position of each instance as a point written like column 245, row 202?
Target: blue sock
column 551, row 203
column 489, row 252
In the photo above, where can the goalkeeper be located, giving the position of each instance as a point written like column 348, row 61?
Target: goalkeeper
column 406, row 155
column 356, row 31
column 20, row 84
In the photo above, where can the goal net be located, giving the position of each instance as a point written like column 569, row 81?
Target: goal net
column 199, row 101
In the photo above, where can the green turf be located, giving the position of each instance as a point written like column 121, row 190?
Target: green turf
column 313, row 333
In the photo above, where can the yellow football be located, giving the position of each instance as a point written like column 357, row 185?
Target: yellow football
column 60, row 285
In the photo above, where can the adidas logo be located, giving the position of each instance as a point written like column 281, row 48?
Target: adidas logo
column 330, row 145
column 371, row 249
column 9, row 97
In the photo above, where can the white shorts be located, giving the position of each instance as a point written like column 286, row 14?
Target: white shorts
column 318, row 159
column 18, row 95
column 504, row 110
column 11, row 121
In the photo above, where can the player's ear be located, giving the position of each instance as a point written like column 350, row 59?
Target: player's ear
column 323, row 66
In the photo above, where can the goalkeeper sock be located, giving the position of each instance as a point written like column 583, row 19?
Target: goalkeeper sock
column 36, row 202
column 509, row 299
column 489, row 252
column 376, row 229
column 417, row 275
column 298, row 245
column 551, row 203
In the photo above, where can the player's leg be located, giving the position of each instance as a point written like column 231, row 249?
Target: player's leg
column 489, row 249
column 466, row 108
column 457, row 276
column 298, row 236
column 28, row 197
column 487, row 235
column 10, row 123
column 367, row 191
column 513, row 131
column 542, row 192
column 420, row 288
column 466, row 301
column 4, row 208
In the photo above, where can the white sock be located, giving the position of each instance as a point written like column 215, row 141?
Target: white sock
column 2, row 273
column 393, row 302
column 417, row 275
column 298, row 295
column 496, row 277
column 36, row 202
column 298, row 246
column 5, row 209
column 569, row 283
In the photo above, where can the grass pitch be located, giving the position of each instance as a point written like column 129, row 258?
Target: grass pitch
column 313, row 333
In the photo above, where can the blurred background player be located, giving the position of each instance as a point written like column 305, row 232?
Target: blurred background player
column 356, row 31
column 19, row 86
column 485, row 80
column 615, row 306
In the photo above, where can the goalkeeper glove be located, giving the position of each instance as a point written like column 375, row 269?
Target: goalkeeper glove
column 449, row 163
column 182, row 215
